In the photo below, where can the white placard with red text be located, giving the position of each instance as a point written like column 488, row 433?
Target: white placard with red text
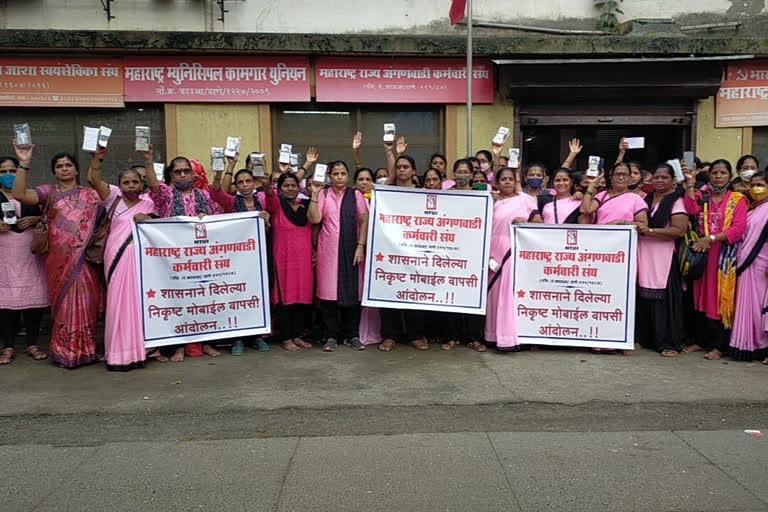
column 428, row 249
column 203, row 279
column 574, row 285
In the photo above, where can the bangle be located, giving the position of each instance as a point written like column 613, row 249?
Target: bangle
column 22, row 166
column 689, row 187
column 301, row 169
column 588, row 192
column 313, row 200
column 361, row 245
column 229, row 173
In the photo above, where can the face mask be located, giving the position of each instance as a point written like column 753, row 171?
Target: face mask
column 647, row 188
column 131, row 196
column 381, row 181
column 461, row 180
column 534, row 182
column 747, row 175
column 245, row 195
column 635, row 186
column 6, row 180
column 758, row 193
column 182, row 185
column 484, row 166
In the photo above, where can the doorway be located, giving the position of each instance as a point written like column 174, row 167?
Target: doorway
column 549, row 144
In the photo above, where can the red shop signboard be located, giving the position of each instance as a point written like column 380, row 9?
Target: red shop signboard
column 216, row 79
column 401, row 80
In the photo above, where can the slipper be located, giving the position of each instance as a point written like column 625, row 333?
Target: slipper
column 420, row 344
column 6, row 355
column 477, row 346
column 387, row 345
column 449, row 345
column 35, row 353
column 669, row 353
column 330, row 345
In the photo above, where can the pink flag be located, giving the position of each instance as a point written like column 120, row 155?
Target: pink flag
column 458, row 8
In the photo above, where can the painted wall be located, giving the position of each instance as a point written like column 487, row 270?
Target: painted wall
column 486, row 120
column 713, row 143
column 200, row 126
column 329, row 16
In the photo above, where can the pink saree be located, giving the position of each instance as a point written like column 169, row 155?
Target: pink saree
column 74, row 286
column 123, row 334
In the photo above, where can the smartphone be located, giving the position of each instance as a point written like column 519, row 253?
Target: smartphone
column 594, row 166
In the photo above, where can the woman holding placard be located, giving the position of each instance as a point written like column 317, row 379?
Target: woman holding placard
column 178, row 199
column 22, row 274
column 510, row 207
column 71, row 214
column 123, row 332
column 564, row 208
column 342, row 213
column 659, row 311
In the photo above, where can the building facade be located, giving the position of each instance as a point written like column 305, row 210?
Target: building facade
column 313, row 73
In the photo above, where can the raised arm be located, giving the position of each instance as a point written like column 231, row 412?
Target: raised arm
column 575, row 147
column 496, row 149
column 623, row 145
column 314, row 214
column 20, row 191
column 94, row 173
column 226, row 182
column 357, row 141
column 589, row 204
column 309, row 161
column 149, row 164
column 389, row 153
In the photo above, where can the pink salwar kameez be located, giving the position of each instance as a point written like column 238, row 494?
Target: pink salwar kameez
column 749, row 334
column 500, row 320
column 123, row 333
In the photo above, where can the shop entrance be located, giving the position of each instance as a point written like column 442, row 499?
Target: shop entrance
column 549, row 144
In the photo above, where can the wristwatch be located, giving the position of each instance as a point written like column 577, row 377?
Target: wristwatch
column 712, row 238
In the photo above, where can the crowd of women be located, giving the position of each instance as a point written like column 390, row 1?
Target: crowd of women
column 71, row 250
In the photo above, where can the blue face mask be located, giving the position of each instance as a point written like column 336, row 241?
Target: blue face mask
column 6, row 180
column 535, row 182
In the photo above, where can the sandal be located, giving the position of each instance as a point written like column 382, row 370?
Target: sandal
column 420, row 344
column 449, row 345
column 477, row 346
column 669, row 353
column 387, row 345
column 35, row 353
column 6, row 355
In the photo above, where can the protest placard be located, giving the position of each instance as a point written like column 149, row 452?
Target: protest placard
column 203, row 279
column 575, row 284
column 428, row 249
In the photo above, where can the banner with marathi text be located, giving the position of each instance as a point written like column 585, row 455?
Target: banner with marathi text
column 428, row 249
column 574, row 285
column 202, row 279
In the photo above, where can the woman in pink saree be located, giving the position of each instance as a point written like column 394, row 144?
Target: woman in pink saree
column 510, row 207
column 123, row 333
column 74, row 285
column 749, row 339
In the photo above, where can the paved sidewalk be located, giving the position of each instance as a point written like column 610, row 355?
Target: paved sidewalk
column 473, row 471
column 405, row 377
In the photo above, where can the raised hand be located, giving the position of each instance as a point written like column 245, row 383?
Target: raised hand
column 623, row 145
column 574, row 145
column 100, row 153
column 315, row 187
column 311, row 157
column 401, row 145
column 147, row 155
column 23, row 155
column 496, row 150
column 357, row 140
column 690, row 176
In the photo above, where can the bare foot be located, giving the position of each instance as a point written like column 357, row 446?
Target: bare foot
column 713, row 355
column 420, row 344
column 449, row 345
column 290, row 346
column 692, row 348
column 301, row 343
column 209, row 350
column 626, row 353
column 157, row 356
column 178, row 355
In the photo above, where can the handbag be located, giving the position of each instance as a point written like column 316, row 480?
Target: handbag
column 692, row 264
column 94, row 251
column 40, row 235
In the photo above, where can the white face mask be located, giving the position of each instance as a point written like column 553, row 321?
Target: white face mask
column 484, row 166
column 747, row 175
column 381, row 181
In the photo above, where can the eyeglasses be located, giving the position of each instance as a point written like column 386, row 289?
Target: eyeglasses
column 180, row 172
column 6, row 171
